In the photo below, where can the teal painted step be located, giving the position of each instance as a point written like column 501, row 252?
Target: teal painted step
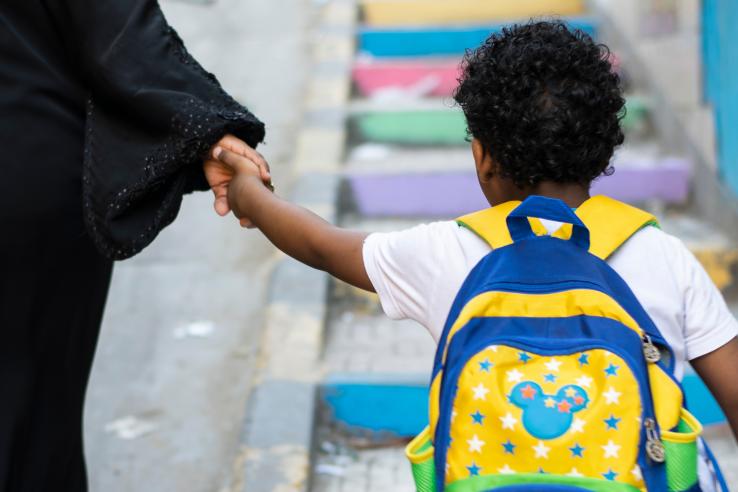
column 398, row 404
column 700, row 401
column 433, row 41
column 391, row 404
column 448, row 126
column 421, row 127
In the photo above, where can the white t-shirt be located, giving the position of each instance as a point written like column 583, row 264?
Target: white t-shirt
column 418, row 272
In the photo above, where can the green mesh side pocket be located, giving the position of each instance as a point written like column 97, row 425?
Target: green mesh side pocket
column 420, row 454
column 681, row 453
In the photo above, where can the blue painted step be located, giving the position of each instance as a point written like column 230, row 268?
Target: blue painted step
column 438, row 41
column 398, row 404
column 390, row 404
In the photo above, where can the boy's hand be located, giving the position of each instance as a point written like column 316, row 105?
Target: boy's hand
column 219, row 175
column 247, row 180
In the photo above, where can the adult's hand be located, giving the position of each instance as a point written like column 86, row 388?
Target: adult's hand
column 219, row 174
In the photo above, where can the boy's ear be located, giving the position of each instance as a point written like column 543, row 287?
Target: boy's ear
column 483, row 161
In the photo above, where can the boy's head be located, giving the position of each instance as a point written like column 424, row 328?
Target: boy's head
column 543, row 108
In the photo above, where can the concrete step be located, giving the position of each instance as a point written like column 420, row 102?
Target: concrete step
column 404, row 42
column 376, row 158
column 443, row 12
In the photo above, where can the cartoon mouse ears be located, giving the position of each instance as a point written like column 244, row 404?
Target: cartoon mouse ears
column 525, row 393
column 574, row 395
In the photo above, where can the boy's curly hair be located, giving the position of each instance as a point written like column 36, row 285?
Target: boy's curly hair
column 544, row 102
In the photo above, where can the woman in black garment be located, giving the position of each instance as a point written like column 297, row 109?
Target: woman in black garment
column 104, row 122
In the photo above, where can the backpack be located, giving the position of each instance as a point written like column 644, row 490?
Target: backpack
column 549, row 374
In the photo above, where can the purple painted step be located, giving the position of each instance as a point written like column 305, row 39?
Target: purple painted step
column 450, row 194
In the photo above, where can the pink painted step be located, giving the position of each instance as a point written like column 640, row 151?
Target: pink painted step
column 421, row 78
column 418, row 77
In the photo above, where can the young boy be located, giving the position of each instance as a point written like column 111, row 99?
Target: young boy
column 543, row 108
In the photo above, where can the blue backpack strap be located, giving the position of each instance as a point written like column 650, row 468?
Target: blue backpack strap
column 716, row 467
column 541, row 207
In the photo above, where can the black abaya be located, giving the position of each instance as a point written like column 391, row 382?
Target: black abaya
column 104, row 119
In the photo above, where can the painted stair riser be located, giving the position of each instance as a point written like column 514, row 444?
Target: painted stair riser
column 445, row 127
column 450, row 194
column 401, row 409
column 413, row 127
column 429, row 78
column 433, row 79
column 445, row 12
column 430, row 42
column 381, row 407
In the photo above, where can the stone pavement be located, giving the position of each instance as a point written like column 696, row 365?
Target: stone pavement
column 364, row 471
column 177, row 352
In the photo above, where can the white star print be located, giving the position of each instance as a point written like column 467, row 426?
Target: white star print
column 508, row 421
column 514, row 376
column 584, row 381
column 493, row 348
column 577, row 425
column 611, row 449
column 480, row 392
column 541, row 450
column 636, row 472
column 506, row 470
column 553, row 365
column 475, row 444
column 574, row 473
column 453, row 415
column 612, row 396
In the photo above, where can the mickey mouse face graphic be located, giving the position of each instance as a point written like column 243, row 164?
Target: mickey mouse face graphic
column 548, row 416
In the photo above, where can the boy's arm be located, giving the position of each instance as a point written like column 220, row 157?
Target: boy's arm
column 719, row 371
column 296, row 231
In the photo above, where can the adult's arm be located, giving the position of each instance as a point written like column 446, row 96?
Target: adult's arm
column 152, row 115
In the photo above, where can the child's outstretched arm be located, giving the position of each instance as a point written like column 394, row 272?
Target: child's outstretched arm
column 296, row 231
column 719, row 370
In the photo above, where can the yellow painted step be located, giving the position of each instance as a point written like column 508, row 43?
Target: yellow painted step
column 448, row 12
column 717, row 252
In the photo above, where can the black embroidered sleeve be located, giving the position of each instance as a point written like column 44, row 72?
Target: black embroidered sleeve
column 153, row 114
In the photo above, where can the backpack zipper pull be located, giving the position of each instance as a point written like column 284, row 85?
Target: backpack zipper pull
column 650, row 351
column 654, row 447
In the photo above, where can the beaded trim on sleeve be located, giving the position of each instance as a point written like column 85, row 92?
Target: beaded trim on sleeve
column 194, row 130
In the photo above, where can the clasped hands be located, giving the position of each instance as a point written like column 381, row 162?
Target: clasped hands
column 230, row 167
